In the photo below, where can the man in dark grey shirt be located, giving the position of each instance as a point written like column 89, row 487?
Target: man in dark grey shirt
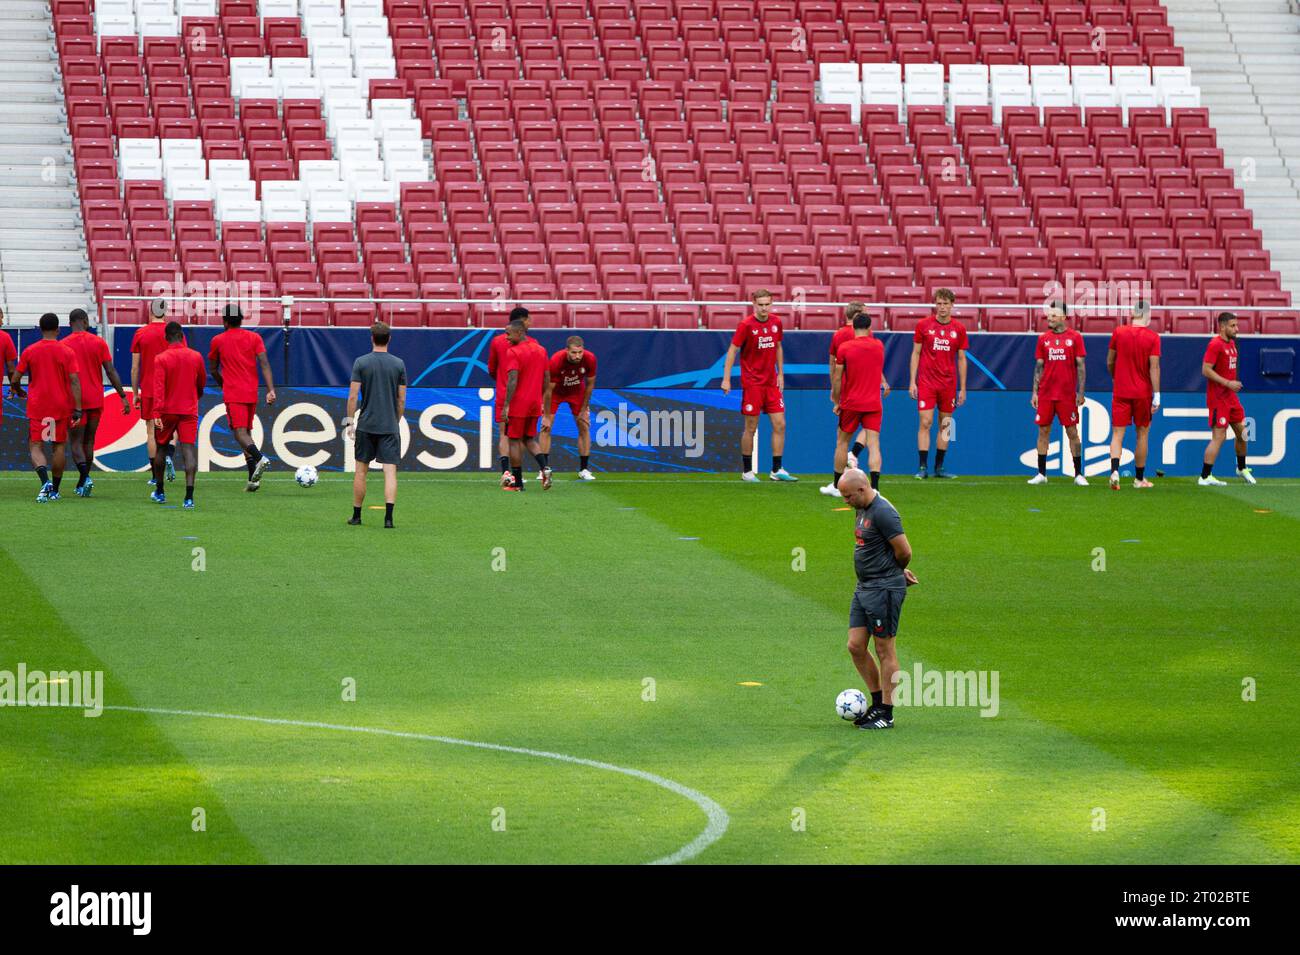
column 381, row 380
column 880, row 559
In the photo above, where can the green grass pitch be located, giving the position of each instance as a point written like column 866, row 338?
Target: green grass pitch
column 534, row 622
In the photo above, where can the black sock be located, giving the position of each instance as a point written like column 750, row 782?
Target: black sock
column 541, row 460
column 923, row 459
column 356, row 513
column 1042, row 464
column 776, row 462
column 83, row 472
column 835, row 481
column 877, row 697
column 1140, row 471
column 857, row 448
column 250, row 462
column 1241, row 462
column 43, row 473
column 889, row 709
column 1078, row 464
column 938, row 458
column 747, row 462
column 519, row 475
column 505, row 463
column 189, row 492
column 388, row 512
column 1114, row 464
column 1206, row 468
column 56, row 482
column 875, row 479
column 583, row 461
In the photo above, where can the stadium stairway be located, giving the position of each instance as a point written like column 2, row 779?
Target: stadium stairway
column 43, row 263
column 1245, row 56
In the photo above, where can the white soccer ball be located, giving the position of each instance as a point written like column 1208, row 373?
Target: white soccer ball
column 305, row 476
column 850, row 704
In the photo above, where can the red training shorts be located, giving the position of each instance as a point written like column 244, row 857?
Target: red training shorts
column 1126, row 411
column 240, row 414
column 761, row 399
column 184, row 427
column 1226, row 412
column 928, row 397
column 46, row 428
column 525, row 427
column 1064, row 410
column 850, row 421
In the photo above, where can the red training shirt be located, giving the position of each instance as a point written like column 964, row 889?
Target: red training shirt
column 757, row 342
column 940, row 342
column 568, row 378
column 1222, row 357
column 842, row 334
column 237, row 350
column 863, row 358
column 179, row 379
column 1060, row 381
column 496, row 360
column 48, row 364
column 91, row 352
column 529, row 359
column 149, row 342
column 1133, row 346
column 7, row 354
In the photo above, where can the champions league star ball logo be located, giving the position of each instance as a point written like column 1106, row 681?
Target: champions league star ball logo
column 1095, row 438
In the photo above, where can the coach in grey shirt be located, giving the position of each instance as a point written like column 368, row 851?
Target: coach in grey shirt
column 880, row 560
column 381, row 380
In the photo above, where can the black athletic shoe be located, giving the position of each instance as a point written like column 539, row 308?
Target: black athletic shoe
column 872, row 712
column 922, row 475
column 354, row 521
column 941, row 473
column 876, row 721
column 388, row 522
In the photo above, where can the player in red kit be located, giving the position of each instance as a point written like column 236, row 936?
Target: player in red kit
column 843, row 334
column 1059, row 374
column 234, row 358
column 528, row 391
column 937, row 379
column 573, row 379
column 178, row 382
column 497, row 349
column 1133, row 360
column 53, row 402
column 857, row 387
column 93, row 362
column 1220, row 370
column 762, row 383
column 8, row 362
column 146, row 345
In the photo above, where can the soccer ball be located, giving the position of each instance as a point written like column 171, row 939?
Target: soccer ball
column 306, row 476
column 850, row 704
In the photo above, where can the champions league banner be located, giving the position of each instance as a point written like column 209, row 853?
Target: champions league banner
column 685, row 430
column 658, row 406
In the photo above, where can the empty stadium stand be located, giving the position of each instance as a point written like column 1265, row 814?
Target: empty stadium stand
column 653, row 151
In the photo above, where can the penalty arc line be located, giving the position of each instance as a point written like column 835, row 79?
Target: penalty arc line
column 718, row 820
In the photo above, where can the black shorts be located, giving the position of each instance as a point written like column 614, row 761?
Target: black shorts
column 877, row 609
column 383, row 448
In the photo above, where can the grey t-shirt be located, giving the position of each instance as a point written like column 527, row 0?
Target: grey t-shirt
column 873, row 558
column 380, row 375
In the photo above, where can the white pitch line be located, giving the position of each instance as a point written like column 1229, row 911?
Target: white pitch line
column 718, row 820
